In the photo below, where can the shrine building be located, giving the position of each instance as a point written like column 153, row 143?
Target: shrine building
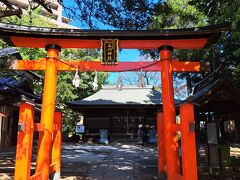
column 120, row 111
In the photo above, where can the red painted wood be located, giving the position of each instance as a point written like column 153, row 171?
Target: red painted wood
column 97, row 66
column 189, row 159
column 24, row 142
column 47, row 115
column 96, row 44
column 169, row 115
column 161, row 144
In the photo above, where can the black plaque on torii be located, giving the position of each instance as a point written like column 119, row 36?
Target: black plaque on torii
column 109, row 51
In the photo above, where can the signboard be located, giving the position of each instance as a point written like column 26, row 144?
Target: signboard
column 80, row 128
column 109, row 51
column 212, row 133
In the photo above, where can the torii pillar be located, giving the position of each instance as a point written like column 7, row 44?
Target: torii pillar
column 169, row 114
column 47, row 115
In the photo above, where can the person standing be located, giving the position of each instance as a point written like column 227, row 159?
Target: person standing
column 144, row 136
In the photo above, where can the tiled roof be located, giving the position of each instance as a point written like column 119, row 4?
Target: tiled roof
column 14, row 87
column 10, row 83
column 130, row 95
column 6, row 52
column 215, row 83
column 19, row 86
column 216, row 93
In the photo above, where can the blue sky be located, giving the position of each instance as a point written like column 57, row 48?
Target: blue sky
column 123, row 56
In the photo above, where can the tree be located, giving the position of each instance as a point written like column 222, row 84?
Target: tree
column 143, row 14
column 134, row 14
column 167, row 14
column 142, row 78
column 11, row 10
column 177, row 14
column 227, row 51
column 120, row 14
column 65, row 90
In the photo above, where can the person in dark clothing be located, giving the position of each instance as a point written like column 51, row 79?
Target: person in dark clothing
column 144, row 136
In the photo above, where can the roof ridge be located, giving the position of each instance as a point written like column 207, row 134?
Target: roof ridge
column 112, row 87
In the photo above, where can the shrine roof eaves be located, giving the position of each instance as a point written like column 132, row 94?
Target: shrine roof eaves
column 212, row 87
column 72, row 38
column 13, row 87
column 125, row 96
column 129, row 96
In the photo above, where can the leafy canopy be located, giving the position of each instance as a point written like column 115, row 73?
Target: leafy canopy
column 65, row 90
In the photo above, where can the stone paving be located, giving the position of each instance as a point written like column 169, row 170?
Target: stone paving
column 127, row 162
column 119, row 161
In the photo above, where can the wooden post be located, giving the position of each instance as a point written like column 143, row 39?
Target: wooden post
column 189, row 162
column 57, row 142
column 24, row 141
column 48, row 106
column 169, row 114
column 161, row 147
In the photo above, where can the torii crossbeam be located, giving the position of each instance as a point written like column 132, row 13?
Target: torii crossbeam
column 83, row 66
column 165, row 41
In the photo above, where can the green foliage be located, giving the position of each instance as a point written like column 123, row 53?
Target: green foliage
column 218, row 11
column 147, row 15
column 176, row 14
column 236, row 74
column 170, row 14
column 135, row 14
column 123, row 14
column 227, row 51
column 65, row 90
column 141, row 15
column 32, row 18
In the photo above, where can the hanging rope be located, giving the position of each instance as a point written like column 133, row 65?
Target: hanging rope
column 119, row 84
column 125, row 70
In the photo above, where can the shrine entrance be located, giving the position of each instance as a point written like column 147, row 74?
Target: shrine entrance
column 49, row 149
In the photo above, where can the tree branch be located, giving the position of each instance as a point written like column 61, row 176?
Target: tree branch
column 42, row 3
column 12, row 12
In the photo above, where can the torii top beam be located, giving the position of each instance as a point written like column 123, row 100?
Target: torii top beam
column 37, row 37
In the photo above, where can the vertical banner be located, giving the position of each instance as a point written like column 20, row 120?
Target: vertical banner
column 109, row 51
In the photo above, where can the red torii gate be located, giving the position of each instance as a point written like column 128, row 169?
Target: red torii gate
column 54, row 39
